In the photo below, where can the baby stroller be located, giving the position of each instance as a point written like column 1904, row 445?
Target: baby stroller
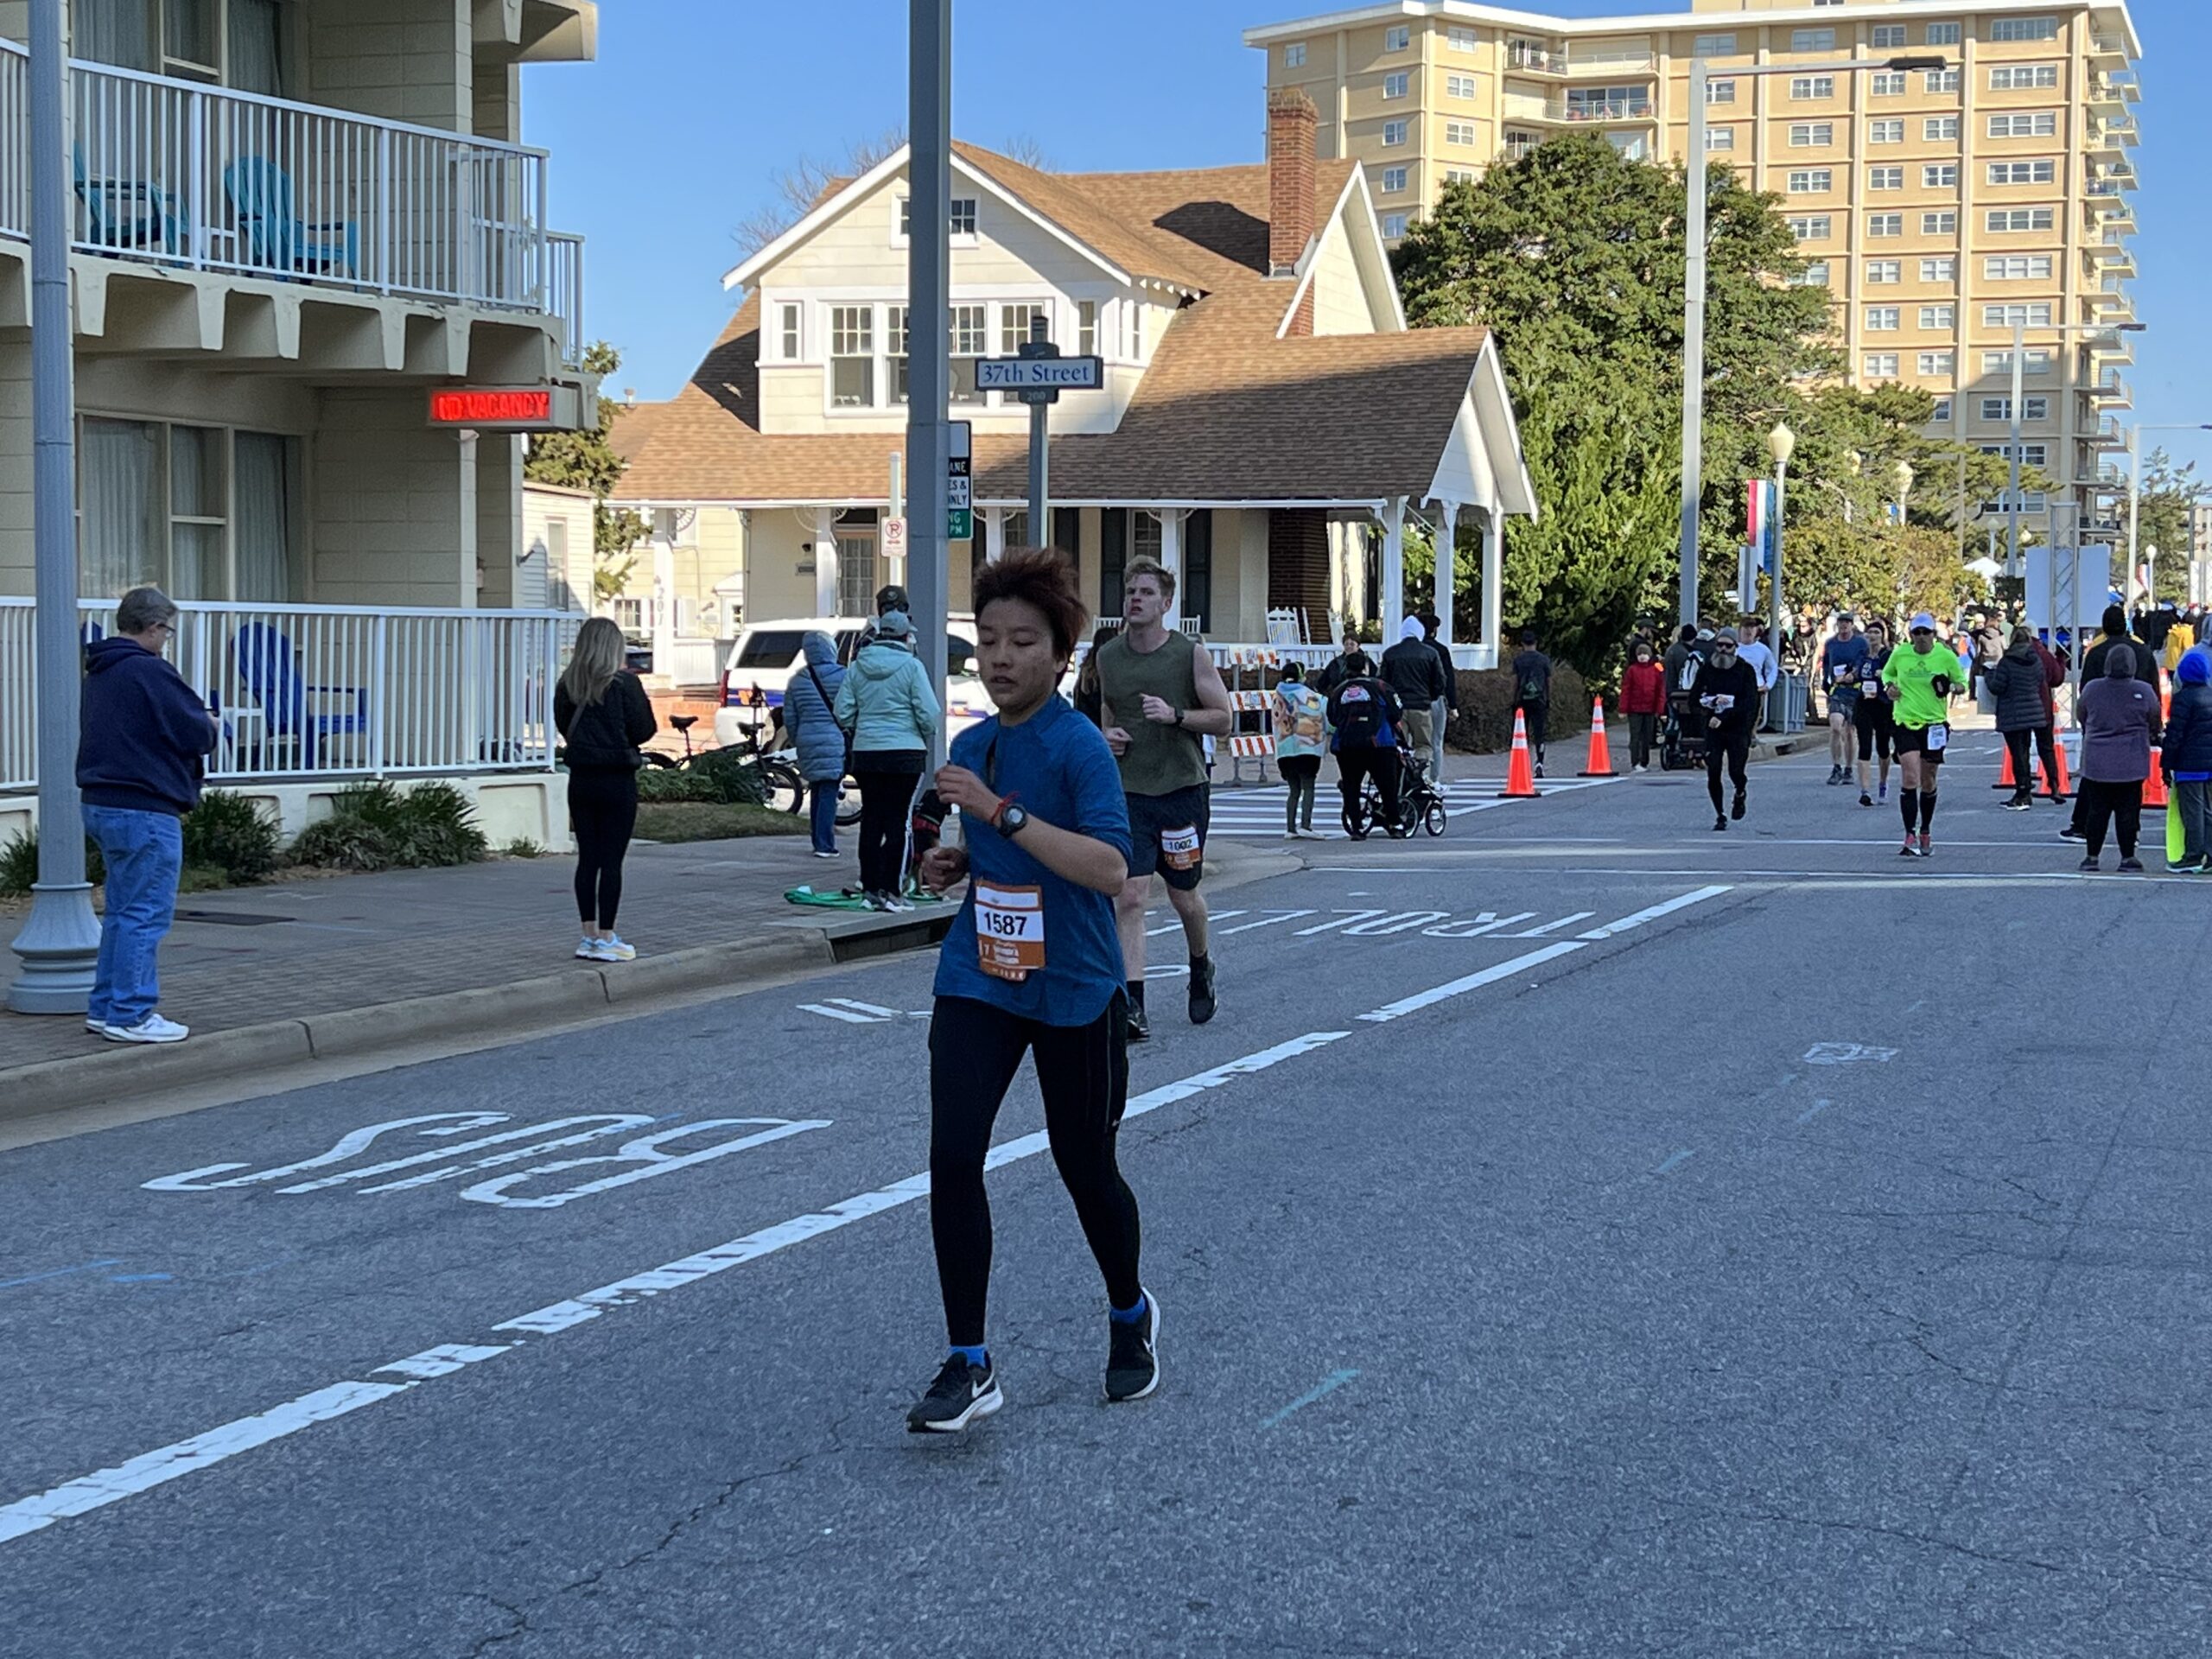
column 1682, row 742
column 1420, row 806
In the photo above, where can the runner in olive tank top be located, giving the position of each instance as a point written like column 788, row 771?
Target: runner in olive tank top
column 1162, row 695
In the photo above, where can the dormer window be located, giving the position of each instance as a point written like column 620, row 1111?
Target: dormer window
column 1133, row 326
column 790, row 331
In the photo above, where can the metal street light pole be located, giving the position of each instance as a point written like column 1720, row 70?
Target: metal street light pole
column 929, row 283
column 58, row 945
column 1699, row 172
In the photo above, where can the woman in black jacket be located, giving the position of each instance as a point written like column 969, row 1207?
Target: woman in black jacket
column 2018, row 681
column 603, row 713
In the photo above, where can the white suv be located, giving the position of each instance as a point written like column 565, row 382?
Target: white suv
column 768, row 654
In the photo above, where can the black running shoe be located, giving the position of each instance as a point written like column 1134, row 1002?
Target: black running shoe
column 1865, row 799
column 2131, row 867
column 961, row 1394
column 1139, row 1026
column 2069, row 832
column 2018, row 804
column 1202, row 1000
column 1736, row 809
column 1132, row 1363
column 1719, row 823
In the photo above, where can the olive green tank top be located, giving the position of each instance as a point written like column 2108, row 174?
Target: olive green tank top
column 1162, row 759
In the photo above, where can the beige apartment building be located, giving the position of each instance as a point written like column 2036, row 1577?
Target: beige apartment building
column 1939, row 208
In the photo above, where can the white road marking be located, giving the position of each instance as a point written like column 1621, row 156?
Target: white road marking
column 1169, row 927
column 865, row 1008
column 845, row 1014
column 1345, row 918
column 1653, row 914
column 1552, row 927
column 1489, row 922
column 646, row 1153
column 1403, row 921
column 1283, row 916
column 156, row 1468
column 1847, row 1054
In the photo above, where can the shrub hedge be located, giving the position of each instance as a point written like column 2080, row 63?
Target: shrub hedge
column 1483, row 724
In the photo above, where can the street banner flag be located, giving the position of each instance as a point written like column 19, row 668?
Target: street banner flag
column 1760, row 525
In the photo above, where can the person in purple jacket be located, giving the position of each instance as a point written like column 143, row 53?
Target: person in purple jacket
column 142, row 747
column 2120, row 722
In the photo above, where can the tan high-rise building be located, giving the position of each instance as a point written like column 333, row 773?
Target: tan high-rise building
column 1937, row 206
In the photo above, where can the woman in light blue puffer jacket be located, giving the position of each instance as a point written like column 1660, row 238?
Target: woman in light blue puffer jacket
column 809, row 714
column 887, row 705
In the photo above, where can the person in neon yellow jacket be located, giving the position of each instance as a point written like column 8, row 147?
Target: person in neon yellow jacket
column 1920, row 681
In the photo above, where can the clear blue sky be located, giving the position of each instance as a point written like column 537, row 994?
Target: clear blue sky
column 677, row 132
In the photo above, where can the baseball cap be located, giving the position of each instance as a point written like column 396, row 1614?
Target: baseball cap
column 893, row 598
column 892, row 625
column 1920, row 619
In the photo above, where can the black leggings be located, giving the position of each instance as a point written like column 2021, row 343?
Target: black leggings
column 1084, row 1073
column 602, row 813
column 1384, row 767
column 1735, row 749
column 2114, row 805
column 2023, row 778
column 886, row 798
column 1875, row 732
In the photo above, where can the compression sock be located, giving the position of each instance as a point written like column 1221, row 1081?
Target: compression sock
column 1198, row 963
column 979, row 1356
column 1927, row 810
column 1135, row 988
column 1128, row 1315
column 1908, row 807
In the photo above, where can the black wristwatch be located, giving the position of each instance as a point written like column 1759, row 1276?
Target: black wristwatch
column 1179, row 716
column 1013, row 821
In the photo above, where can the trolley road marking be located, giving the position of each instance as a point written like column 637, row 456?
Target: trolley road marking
column 173, row 1462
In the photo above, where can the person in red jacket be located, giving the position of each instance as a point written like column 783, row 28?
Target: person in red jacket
column 1644, row 700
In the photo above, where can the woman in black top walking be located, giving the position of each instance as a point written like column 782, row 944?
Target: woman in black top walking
column 603, row 713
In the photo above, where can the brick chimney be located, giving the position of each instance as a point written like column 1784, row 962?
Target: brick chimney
column 1293, row 125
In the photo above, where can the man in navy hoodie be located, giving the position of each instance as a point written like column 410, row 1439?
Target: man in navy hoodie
column 140, row 749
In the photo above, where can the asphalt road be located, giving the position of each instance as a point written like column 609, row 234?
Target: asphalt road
column 1816, row 1265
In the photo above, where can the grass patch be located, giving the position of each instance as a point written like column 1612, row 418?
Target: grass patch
column 672, row 821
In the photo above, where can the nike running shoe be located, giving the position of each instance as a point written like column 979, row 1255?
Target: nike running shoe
column 1202, row 999
column 1865, row 799
column 1132, row 1363
column 961, row 1393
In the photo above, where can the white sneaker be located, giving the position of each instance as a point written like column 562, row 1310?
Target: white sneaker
column 617, row 948
column 828, row 854
column 98, row 1027
column 587, row 948
column 152, row 1029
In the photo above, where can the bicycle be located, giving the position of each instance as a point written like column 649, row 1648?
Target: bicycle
column 782, row 789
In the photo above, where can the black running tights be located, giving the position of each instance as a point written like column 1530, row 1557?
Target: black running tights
column 1732, row 748
column 602, row 813
column 1083, row 1074
column 2024, row 777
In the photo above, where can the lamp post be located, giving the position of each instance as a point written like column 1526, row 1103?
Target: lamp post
column 1903, row 473
column 1780, row 443
column 2015, row 559
column 59, row 944
column 2135, row 497
column 1699, row 183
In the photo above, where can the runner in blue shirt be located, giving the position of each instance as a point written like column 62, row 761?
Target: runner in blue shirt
column 1033, row 965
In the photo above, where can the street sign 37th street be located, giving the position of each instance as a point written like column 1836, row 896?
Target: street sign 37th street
column 1040, row 374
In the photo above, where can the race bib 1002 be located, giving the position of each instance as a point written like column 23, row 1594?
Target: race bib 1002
column 1010, row 930
column 1179, row 849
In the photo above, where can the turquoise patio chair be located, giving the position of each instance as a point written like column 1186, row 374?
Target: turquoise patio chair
column 261, row 196
column 128, row 215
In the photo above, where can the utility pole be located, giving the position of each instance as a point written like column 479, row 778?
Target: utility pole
column 1693, row 343
column 929, row 283
column 58, row 945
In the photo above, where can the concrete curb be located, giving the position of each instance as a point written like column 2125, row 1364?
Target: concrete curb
column 119, row 1073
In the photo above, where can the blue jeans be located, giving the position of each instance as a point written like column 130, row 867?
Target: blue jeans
column 144, row 853
column 822, row 810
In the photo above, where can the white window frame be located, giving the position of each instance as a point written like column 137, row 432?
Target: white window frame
column 2024, row 78
column 2024, row 124
column 1397, row 84
column 1460, row 38
column 1886, row 83
column 1942, row 267
column 1397, row 38
column 1889, row 131
column 1719, row 92
column 1880, row 273
column 1714, row 46
column 2017, row 268
column 2018, row 312
column 1811, row 89
column 1394, row 134
column 1940, row 317
column 1460, row 134
column 1940, row 130
column 1814, row 274
column 1086, row 328
column 1720, row 138
column 1936, row 364
column 1939, row 175
column 851, row 337
column 790, row 330
column 1293, row 55
column 1394, row 180
column 1884, row 319
column 1942, row 35
column 1813, row 227
column 1811, row 135
column 1889, row 37
column 968, row 320
column 1394, row 226
column 1885, row 178
column 1940, row 80
column 2013, row 29
column 1459, row 84
column 1812, row 181
column 900, row 217
column 1882, row 225
column 1812, row 40
column 1879, row 366
column 2019, row 221
column 2036, row 360
column 2033, row 169
column 1943, row 222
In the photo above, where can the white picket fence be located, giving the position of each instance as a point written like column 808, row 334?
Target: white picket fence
column 310, row 691
column 205, row 177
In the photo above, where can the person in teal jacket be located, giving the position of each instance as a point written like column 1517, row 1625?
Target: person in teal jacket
column 887, row 705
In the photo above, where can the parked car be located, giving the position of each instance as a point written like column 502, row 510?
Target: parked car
column 766, row 654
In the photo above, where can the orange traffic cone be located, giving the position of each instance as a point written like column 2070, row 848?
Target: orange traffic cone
column 1520, row 771
column 2154, row 787
column 2060, row 790
column 1601, row 757
column 2005, row 777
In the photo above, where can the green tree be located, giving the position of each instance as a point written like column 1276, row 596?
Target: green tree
column 586, row 461
column 1574, row 257
column 2170, row 495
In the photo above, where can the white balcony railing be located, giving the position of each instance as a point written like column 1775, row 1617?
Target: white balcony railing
column 319, row 691
column 180, row 174
column 1579, row 111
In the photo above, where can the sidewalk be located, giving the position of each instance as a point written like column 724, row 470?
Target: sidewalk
column 296, row 970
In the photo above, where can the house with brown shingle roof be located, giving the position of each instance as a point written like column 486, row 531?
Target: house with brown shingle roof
column 1267, row 424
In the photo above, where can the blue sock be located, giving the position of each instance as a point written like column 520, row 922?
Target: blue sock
column 1128, row 1315
column 979, row 1356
